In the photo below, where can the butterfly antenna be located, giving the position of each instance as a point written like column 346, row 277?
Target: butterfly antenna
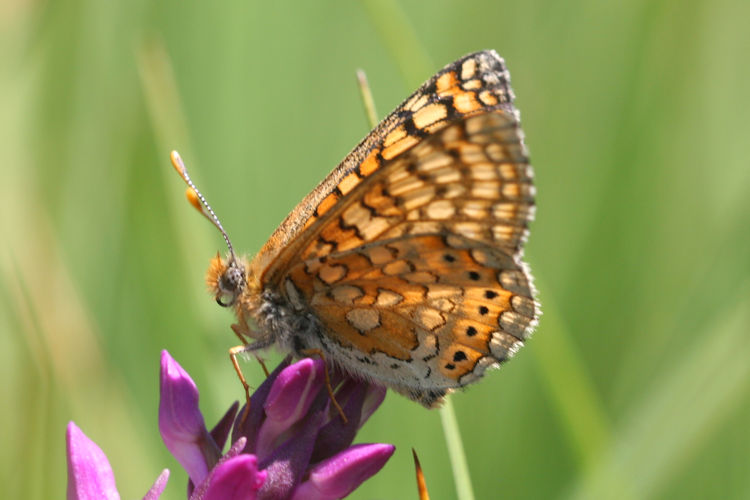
column 197, row 200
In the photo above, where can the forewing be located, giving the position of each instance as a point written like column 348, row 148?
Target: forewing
column 475, row 84
column 471, row 178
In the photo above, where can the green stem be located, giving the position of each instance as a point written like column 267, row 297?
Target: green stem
column 367, row 100
column 460, row 467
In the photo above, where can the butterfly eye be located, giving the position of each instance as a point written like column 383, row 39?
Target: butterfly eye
column 231, row 284
column 220, row 300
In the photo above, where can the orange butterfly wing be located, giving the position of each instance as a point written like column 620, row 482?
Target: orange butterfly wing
column 409, row 253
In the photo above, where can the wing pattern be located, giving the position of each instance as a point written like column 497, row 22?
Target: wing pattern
column 409, row 254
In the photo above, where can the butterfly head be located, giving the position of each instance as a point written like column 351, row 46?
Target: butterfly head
column 227, row 279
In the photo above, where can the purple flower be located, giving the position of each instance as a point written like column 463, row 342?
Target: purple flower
column 90, row 476
column 291, row 443
column 339, row 475
column 236, row 475
column 181, row 422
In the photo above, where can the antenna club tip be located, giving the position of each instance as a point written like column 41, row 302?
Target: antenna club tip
column 177, row 163
column 194, row 200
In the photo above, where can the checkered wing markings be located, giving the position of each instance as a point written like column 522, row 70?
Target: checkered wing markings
column 475, row 84
column 426, row 253
column 450, row 304
column 472, row 179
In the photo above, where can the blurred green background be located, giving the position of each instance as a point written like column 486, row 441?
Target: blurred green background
column 637, row 382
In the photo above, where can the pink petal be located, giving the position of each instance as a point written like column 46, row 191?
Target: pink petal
column 158, row 487
column 90, row 476
column 373, row 399
column 248, row 425
column 181, row 423
column 291, row 395
column 343, row 473
column 237, row 477
column 287, row 464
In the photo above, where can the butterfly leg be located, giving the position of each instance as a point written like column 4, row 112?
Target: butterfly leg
column 233, row 352
column 243, row 332
column 329, row 388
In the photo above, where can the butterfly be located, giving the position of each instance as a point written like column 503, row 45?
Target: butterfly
column 404, row 266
